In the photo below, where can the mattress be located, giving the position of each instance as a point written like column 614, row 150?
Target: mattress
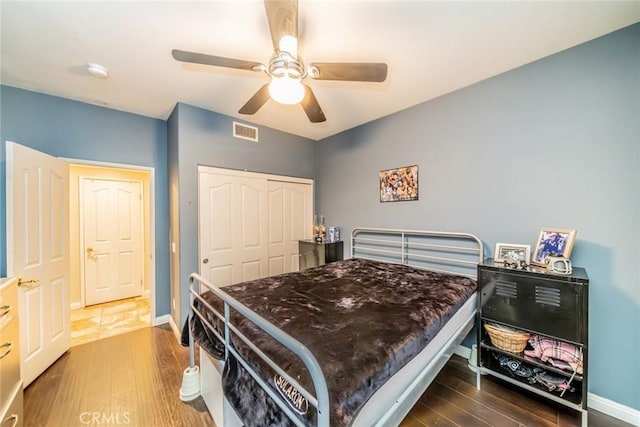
column 363, row 320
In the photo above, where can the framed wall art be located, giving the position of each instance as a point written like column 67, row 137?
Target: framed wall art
column 553, row 241
column 399, row 184
column 506, row 251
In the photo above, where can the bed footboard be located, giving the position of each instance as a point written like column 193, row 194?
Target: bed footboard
column 319, row 400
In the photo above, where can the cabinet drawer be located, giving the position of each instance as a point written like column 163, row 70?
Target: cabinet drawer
column 549, row 307
column 12, row 414
column 8, row 304
column 9, row 360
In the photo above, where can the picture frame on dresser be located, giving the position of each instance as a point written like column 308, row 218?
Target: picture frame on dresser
column 506, row 251
column 553, row 241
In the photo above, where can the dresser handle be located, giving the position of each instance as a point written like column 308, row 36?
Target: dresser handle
column 11, row 417
column 9, row 346
column 4, row 310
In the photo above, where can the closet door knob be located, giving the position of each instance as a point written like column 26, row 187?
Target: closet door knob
column 206, row 260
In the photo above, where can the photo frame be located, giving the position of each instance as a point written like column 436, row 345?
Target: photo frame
column 399, row 184
column 505, row 251
column 553, row 241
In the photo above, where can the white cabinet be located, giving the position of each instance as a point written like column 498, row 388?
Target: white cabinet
column 10, row 382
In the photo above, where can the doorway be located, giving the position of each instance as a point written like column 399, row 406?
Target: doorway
column 127, row 307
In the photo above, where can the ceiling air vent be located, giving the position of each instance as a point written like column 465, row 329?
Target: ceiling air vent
column 245, row 132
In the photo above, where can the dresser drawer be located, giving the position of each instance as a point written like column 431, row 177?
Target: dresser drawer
column 9, row 360
column 12, row 414
column 549, row 307
column 8, row 303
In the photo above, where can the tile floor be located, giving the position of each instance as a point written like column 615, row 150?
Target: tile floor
column 112, row 318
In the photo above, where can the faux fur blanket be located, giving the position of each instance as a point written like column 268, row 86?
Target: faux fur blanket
column 363, row 320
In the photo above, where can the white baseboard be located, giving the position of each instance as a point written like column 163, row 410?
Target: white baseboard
column 463, row 352
column 146, row 293
column 76, row 305
column 614, row 409
column 174, row 327
column 606, row 406
column 161, row 320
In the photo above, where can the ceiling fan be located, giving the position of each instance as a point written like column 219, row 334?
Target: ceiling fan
column 286, row 68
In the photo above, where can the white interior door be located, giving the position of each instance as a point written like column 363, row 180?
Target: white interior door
column 38, row 253
column 290, row 219
column 113, row 239
column 232, row 227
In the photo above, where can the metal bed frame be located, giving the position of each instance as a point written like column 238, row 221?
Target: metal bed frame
column 455, row 253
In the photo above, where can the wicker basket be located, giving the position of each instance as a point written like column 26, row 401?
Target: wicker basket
column 513, row 341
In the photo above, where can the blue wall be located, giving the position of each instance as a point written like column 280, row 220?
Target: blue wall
column 201, row 137
column 555, row 143
column 71, row 129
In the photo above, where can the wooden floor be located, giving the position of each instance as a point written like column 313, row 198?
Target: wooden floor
column 133, row 379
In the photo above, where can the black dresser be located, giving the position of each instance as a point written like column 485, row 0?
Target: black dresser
column 547, row 305
column 313, row 254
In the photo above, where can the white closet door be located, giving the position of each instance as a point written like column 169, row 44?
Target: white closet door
column 232, row 227
column 290, row 220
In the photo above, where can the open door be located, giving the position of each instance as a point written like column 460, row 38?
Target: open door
column 38, row 254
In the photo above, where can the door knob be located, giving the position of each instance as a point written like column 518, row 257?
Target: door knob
column 206, row 260
column 28, row 283
column 91, row 253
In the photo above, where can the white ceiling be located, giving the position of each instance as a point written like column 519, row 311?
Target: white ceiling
column 432, row 48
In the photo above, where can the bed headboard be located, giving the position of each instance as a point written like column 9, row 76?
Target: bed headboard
column 446, row 252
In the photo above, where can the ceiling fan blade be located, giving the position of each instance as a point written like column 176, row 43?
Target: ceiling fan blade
column 256, row 101
column 311, row 106
column 217, row 61
column 346, row 71
column 283, row 19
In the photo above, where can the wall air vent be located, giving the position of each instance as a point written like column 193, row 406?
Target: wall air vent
column 245, row 132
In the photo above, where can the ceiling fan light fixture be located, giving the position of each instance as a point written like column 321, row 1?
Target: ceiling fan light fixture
column 289, row 44
column 286, row 90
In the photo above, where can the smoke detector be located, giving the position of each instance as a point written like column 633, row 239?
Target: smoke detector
column 97, row 70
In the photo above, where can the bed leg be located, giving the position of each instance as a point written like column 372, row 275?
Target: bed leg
column 191, row 378
column 190, row 384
